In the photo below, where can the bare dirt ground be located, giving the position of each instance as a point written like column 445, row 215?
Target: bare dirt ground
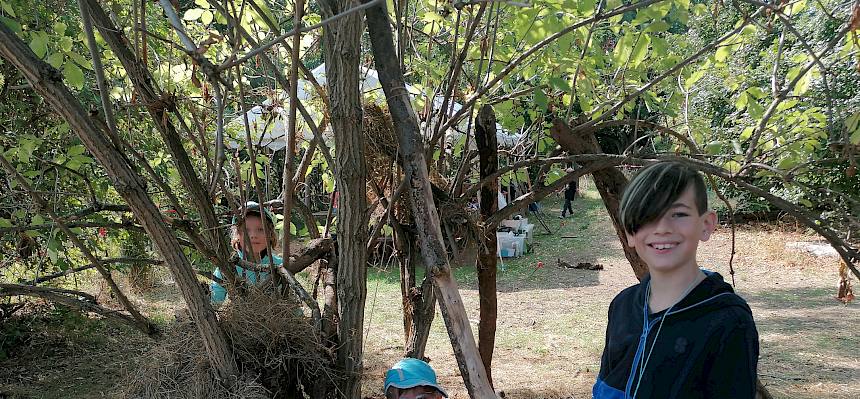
column 551, row 320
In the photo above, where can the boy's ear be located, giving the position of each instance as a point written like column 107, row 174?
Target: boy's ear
column 709, row 224
column 629, row 240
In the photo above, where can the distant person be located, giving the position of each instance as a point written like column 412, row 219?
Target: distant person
column 681, row 332
column 260, row 225
column 569, row 195
column 412, row 379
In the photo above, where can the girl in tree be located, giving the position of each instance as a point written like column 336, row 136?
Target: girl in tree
column 259, row 224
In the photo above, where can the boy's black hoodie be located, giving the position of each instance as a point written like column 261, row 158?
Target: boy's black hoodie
column 707, row 346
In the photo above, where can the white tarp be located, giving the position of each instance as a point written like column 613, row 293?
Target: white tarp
column 268, row 121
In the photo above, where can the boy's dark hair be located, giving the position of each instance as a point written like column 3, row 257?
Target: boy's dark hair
column 653, row 191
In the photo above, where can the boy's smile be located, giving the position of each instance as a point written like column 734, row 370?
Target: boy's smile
column 669, row 243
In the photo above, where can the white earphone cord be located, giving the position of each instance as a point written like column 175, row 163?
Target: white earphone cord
column 659, row 328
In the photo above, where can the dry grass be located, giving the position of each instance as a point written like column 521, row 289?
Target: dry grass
column 274, row 344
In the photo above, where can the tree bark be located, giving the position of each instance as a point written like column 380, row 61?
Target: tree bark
column 610, row 183
column 423, row 303
column 419, row 303
column 342, row 51
column 403, row 242
column 421, row 203
column 488, row 161
column 47, row 82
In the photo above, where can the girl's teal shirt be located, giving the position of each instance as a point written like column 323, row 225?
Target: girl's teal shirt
column 219, row 293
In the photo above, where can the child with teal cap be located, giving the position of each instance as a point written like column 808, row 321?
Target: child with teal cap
column 412, row 379
column 259, row 223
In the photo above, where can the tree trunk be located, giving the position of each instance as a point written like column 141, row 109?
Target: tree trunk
column 488, row 161
column 423, row 302
column 342, row 51
column 328, row 273
column 47, row 81
column 403, row 242
column 419, row 303
column 610, row 183
column 421, row 203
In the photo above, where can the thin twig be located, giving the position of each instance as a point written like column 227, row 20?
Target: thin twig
column 295, row 31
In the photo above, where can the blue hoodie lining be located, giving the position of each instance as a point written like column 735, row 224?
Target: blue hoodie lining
column 602, row 390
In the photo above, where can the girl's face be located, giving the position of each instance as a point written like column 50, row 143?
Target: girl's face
column 256, row 234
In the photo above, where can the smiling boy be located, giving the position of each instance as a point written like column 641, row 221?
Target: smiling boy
column 681, row 332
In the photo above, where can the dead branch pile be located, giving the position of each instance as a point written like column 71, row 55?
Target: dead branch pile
column 380, row 144
column 276, row 347
column 381, row 150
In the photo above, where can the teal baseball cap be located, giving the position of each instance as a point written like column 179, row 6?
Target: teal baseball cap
column 252, row 207
column 410, row 373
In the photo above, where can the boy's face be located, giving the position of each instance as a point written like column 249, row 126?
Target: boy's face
column 669, row 243
column 256, row 233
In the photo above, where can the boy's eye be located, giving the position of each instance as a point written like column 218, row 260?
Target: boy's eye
column 680, row 214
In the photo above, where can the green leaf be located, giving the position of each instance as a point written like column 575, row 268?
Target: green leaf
column 786, row 105
column 56, row 60
column 60, row 28
column 38, row 220
column 855, row 138
column 73, row 75
column 80, row 60
column 623, row 48
column 540, row 98
column 75, row 150
column 657, row 26
column 714, row 147
column 66, row 43
column 552, row 176
column 640, row 52
column 852, row 123
column 8, row 9
column 53, row 255
column 13, row 25
column 787, row 163
column 742, row 101
column 732, row 166
column 755, row 110
column 559, row 83
column 803, row 84
column 756, row 92
column 207, row 17
column 659, row 47
column 5, row 222
column 736, row 145
column 193, row 14
column 39, row 44
column 798, row 7
column 723, row 53
column 694, row 77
